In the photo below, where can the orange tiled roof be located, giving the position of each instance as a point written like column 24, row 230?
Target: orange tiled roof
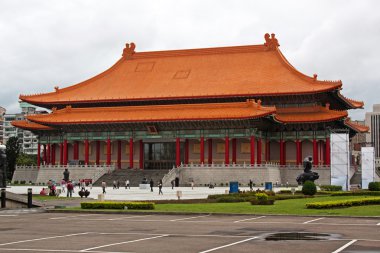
column 353, row 103
column 27, row 125
column 356, row 126
column 128, row 114
column 308, row 114
column 194, row 73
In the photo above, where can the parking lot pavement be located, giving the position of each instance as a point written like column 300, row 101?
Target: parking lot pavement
column 111, row 233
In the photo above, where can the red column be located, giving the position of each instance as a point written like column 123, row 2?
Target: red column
column 327, row 150
column 76, row 151
column 108, row 151
column 267, row 151
column 61, row 153
column 52, row 154
column 227, row 151
column 234, row 150
column 48, row 150
column 141, row 158
column 97, row 153
column 119, row 154
column 186, row 151
column 252, row 142
column 86, row 152
column 209, row 157
column 38, row 154
column 65, row 152
column 202, row 150
column 131, row 153
column 315, row 152
column 282, row 146
column 177, row 152
column 259, row 151
column 44, row 154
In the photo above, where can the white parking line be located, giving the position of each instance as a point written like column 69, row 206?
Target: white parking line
column 130, row 217
column 378, row 224
column 306, row 222
column 228, row 245
column 194, row 217
column 61, row 250
column 44, row 238
column 6, row 215
column 344, row 246
column 255, row 218
column 73, row 216
column 118, row 243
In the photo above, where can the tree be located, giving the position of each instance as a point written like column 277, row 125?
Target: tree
column 12, row 151
column 26, row 160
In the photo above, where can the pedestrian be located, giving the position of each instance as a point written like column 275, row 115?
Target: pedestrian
column 192, row 184
column 70, row 189
column 127, row 184
column 250, row 185
column 118, row 184
column 90, row 184
column 151, row 185
column 114, row 184
column 104, row 185
column 63, row 185
column 172, row 182
column 160, row 188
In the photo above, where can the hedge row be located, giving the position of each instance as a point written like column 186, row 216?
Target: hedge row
column 343, row 203
column 331, row 188
column 118, row 205
column 357, row 193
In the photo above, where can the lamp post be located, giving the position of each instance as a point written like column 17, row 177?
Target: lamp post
column 3, row 166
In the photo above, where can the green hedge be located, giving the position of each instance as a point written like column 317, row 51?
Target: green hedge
column 285, row 197
column 343, row 203
column 118, row 205
column 331, row 188
column 374, row 186
column 356, row 193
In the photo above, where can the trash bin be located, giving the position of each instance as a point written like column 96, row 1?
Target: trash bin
column 234, row 187
column 268, row 186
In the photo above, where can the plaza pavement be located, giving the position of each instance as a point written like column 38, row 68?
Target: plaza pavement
column 138, row 194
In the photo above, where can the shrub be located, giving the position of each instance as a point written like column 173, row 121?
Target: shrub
column 22, row 182
column 309, row 188
column 343, row 203
column 118, row 205
column 261, row 196
column 15, row 182
column 229, row 199
column 285, row 197
column 331, row 188
column 374, row 186
column 356, row 193
column 262, row 202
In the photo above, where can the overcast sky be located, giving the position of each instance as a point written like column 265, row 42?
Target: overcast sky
column 49, row 43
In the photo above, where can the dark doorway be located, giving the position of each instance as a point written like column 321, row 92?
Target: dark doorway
column 160, row 155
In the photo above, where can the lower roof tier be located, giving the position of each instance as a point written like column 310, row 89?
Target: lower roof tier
column 239, row 114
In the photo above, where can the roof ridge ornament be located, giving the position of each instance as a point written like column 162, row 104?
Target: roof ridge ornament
column 56, row 88
column 129, row 50
column 271, row 41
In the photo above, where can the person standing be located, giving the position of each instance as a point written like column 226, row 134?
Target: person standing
column 192, row 184
column 118, row 184
column 172, row 182
column 151, row 185
column 250, row 184
column 127, row 184
column 70, row 189
column 63, row 185
column 114, row 184
column 104, row 185
column 160, row 188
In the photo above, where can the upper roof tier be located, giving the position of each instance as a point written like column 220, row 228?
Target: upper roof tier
column 241, row 71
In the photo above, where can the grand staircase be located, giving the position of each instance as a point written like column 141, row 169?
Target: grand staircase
column 135, row 176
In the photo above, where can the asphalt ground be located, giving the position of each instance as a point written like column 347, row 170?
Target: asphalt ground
column 110, row 233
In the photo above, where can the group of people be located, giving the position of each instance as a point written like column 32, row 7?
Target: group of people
column 151, row 184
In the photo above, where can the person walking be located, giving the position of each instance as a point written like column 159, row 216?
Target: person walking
column 118, row 184
column 104, row 185
column 250, row 185
column 192, row 184
column 114, row 184
column 151, row 185
column 127, row 184
column 63, row 185
column 172, row 182
column 160, row 188
column 70, row 189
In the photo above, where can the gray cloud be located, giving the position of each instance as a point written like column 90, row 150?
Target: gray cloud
column 49, row 43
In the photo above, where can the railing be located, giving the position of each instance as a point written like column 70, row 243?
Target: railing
column 246, row 165
column 169, row 176
column 110, row 167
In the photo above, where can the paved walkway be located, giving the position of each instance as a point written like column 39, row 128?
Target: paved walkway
column 137, row 194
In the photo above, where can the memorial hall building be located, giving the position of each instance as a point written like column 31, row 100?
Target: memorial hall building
column 163, row 109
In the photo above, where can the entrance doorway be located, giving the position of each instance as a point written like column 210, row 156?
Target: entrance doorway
column 160, row 155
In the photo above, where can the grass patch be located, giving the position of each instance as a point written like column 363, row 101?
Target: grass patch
column 50, row 198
